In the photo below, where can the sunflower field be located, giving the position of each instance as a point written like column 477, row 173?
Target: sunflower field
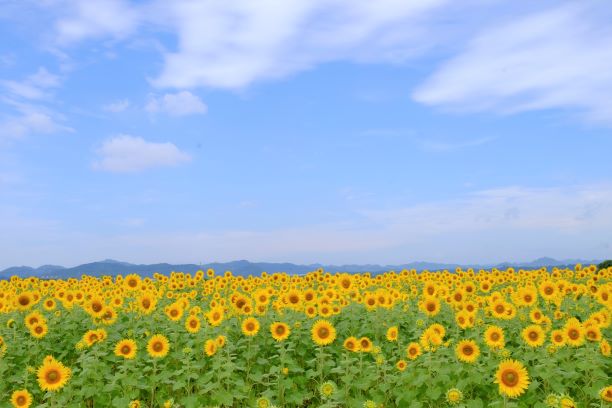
column 463, row 338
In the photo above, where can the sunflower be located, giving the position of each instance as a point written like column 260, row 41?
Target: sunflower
column 327, row 389
column 192, row 324
column 512, row 378
column 323, row 333
column 210, row 347
column 557, row 338
column 494, row 337
column 533, row 335
column 593, row 333
column 126, row 348
column 39, row 330
column 365, row 345
column 413, row 351
column 401, row 365
column 604, row 348
column 52, row 375
column 392, row 333
column 250, row 326
column 454, row 396
column 351, row 344
column 574, row 333
column 91, row 337
column 263, row 402
column 215, row 316
column 24, row 301
column 220, row 340
column 21, row 399
column 606, row 393
column 34, row 318
column 430, row 306
column 280, row 331
column 158, row 346
column 467, row 351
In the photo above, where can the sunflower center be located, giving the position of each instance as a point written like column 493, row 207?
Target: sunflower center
column 533, row 335
column 499, row 308
column 38, row 329
column 250, row 326
column 431, row 307
column 157, row 346
column 548, row 290
column 510, row 377
column 494, row 336
column 412, row 351
column 193, row 323
column 21, row 400
column 53, row 376
column 573, row 334
column 323, row 332
column 146, row 303
column 468, row 350
column 24, row 300
column 280, row 330
column 125, row 349
column 96, row 307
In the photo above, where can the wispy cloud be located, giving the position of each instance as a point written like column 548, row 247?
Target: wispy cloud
column 431, row 145
column 32, row 87
column 558, row 58
column 176, row 104
column 117, row 106
column 130, row 154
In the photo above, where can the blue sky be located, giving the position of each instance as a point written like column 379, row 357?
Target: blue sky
column 304, row 131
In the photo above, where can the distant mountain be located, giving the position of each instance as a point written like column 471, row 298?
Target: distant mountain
column 245, row 268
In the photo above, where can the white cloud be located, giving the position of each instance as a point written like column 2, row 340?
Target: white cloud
column 32, row 87
column 87, row 19
column 558, row 58
column 117, row 106
column 177, row 104
column 126, row 154
column 29, row 119
column 233, row 44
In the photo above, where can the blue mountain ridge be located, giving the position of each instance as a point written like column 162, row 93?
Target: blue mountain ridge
column 244, row 268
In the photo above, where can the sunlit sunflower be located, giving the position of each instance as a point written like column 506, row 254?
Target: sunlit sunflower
column 210, row 347
column 280, row 331
column 606, row 393
column 323, row 332
column 192, row 324
column 392, row 333
column 21, row 399
column 158, row 346
column 413, row 350
column 126, row 348
column 557, row 338
column 430, row 306
column 401, row 365
column 250, row 326
column 512, row 378
column 574, row 333
column 221, row 340
column 39, row 330
column 52, row 375
column 351, row 344
column 467, row 351
column 494, row 337
column 533, row 335
column 365, row 344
